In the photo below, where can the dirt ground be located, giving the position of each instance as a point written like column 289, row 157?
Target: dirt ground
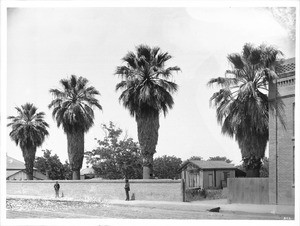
column 36, row 208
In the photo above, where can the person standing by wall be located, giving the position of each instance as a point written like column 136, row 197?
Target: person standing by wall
column 127, row 189
column 56, row 188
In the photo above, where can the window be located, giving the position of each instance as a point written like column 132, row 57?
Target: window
column 193, row 180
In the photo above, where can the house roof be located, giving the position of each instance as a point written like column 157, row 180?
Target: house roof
column 88, row 170
column 10, row 173
column 14, row 164
column 36, row 174
column 201, row 164
column 286, row 67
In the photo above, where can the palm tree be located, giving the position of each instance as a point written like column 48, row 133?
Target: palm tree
column 28, row 131
column 146, row 92
column 242, row 104
column 73, row 109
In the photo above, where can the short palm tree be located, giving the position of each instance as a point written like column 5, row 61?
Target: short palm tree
column 242, row 104
column 28, row 131
column 146, row 91
column 73, row 109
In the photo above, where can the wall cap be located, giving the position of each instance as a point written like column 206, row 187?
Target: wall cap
column 133, row 181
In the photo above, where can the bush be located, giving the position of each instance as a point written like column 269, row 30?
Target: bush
column 194, row 194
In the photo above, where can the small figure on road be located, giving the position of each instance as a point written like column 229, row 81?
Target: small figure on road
column 133, row 196
column 127, row 189
column 56, row 188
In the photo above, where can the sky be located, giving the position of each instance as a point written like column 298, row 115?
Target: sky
column 46, row 45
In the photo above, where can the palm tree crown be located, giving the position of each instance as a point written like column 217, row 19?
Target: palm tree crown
column 73, row 106
column 242, row 103
column 145, row 83
column 28, row 128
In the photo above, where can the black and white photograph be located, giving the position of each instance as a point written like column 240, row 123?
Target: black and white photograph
column 166, row 112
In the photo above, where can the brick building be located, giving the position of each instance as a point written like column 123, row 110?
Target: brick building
column 281, row 140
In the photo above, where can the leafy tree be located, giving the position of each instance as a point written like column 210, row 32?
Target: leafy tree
column 242, row 103
column 196, row 158
column 28, row 131
column 67, row 171
column 264, row 170
column 73, row 109
column 241, row 167
column 218, row 158
column 166, row 167
column 116, row 158
column 52, row 165
column 146, row 92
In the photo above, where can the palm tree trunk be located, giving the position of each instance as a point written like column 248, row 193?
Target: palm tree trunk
column 76, row 152
column 148, row 167
column 253, row 150
column 76, row 175
column 148, row 125
column 29, row 156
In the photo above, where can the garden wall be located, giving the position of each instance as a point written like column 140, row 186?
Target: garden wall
column 248, row 190
column 98, row 190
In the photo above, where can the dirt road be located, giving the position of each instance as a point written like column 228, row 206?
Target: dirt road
column 35, row 208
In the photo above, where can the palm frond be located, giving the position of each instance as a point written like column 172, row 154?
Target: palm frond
column 28, row 128
column 166, row 73
column 130, row 59
column 167, row 85
column 145, row 80
column 247, row 49
column 71, row 103
column 162, row 58
column 236, row 60
column 155, row 51
column 242, row 109
column 144, row 51
column 223, row 81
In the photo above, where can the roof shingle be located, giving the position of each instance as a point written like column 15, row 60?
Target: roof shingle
column 210, row 164
column 286, row 66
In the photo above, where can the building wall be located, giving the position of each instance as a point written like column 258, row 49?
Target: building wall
column 281, row 172
column 218, row 176
column 99, row 190
column 192, row 177
column 201, row 178
column 206, row 174
column 248, row 190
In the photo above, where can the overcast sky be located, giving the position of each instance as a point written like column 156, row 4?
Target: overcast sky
column 48, row 44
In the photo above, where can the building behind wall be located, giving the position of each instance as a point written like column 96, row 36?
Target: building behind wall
column 15, row 170
column 206, row 174
column 281, row 140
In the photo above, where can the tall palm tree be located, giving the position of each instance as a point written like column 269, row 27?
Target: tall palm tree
column 146, row 92
column 242, row 104
column 73, row 109
column 28, row 131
